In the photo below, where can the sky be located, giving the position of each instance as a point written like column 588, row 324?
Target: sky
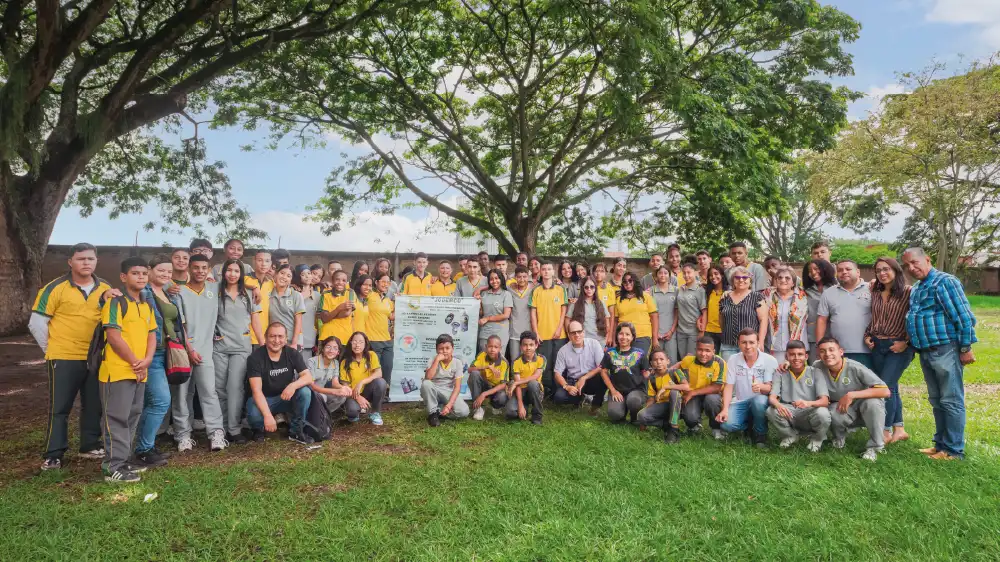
column 277, row 186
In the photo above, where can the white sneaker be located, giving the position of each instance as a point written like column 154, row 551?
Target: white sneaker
column 787, row 442
column 198, row 425
column 497, row 411
column 185, row 445
column 96, row 454
column 718, row 434
column 870, row 454
column 281, row 418
column 479, row 414
column 839, row 442
column 218, row 440
column 815, row 445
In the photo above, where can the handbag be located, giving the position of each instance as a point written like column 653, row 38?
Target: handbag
column 176, row 362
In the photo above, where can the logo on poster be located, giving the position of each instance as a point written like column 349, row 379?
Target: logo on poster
column 407, row 343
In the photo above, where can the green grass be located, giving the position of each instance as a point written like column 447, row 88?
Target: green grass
column 986, row 369
column 576, row 488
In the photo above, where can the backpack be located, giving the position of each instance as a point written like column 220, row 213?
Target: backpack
column 318, row 423
column 95, row 353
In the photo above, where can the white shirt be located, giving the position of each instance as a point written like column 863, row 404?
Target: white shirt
column 743, row 376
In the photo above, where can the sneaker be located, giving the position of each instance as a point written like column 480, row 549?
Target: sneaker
column 259, row 435
column 839, row 442
column 185, row 445
column 718, row 434
column 218, row 440
column 870, row 454
column 375, row 418
column 497, row 411
column 55, row 463
column 198, row 425
column 696, row 429
column 238, row 438
column 163, row 454
column 96, row 454
column 136, row 468
column 300, row 437
column 588, row 399
column 354, row 420
column 671, row 436
column 536, row 419
column 150, row 459
column 815, row 445
column 760, row 441
column 788, row 442
column 479, row 414
column 121, row 475
column 434, row 419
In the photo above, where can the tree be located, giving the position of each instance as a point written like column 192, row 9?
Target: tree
column 789, row 230
column 530, row 108
column 934, row 152
column 83, row 82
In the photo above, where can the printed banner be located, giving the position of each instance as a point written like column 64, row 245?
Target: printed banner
column 419, row 321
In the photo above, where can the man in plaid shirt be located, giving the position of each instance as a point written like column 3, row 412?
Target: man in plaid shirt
column 942, row 329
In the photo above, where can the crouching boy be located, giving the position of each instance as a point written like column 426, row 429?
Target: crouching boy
column 488, row 377
column 526, row 385
column 443, row 383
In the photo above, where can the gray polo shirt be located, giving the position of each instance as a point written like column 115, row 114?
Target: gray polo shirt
column 666, row 306
column 493, row 304
column 321, row 375
column 809, row 386
column 464, row 288
column 284, row 307
column 217, row 270
column 201, row 312
column 848, row 313
column 233, row 324
column 573, row 363
column 311, row 305
column 446, row 377
column 590, row 320
column 853, row 377
column 520, row 314
column 812, row 300
column 690, row 303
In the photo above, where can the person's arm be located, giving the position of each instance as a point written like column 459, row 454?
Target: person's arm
column 534, row 320
column 560, row 380
column 38, row 325
column 454, row 396
column 297, row 332
column 820, row 327
column 654, row 320
column 702, row 322
column 261, row 402
column 951, row 296
column 727, row 398
column 673, row 325
column 255, row 325
column 375, row 373
column 559, row 324
column 710, row 389
column 432, row 368
column 537, row 375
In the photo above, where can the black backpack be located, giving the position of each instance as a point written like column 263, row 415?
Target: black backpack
column 318, row 423
column 95, row 354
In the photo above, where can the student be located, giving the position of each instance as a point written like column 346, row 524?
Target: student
column 473, row 283
column 238, row 318
column 820, row 251
column 463, row 264
column 639, row 309
column 692, row 310
column 548, row 310
column 664, row 397
column 706, row 373
column 618, row 270
column 656, row 261
column 624, row 370
column 262, row 282
column 704, row 262
column 378, row 326
column 535, row 267
column 384, row 266
column 771, row 265
column 748, row 384
column 417, row 283
column 318, row 277
column 674, row 264
column 520, row 312
column 606, row 292
column 201, row 246
column 201, row 310
column 325, row 369
column 442, row 384
column 332, row 267
column 760, row 279
column 234, row 251
column 180, row 259
column 856, row 398
column 726, row 263
column 281, row 257
column 130, row 329
column 363, row 289
column 286, row 305
column 717, row 285
column 444, row 285
column 664, row 294
column 817, row 277
column 578, row 369
column 337, row 309
column 360, row 268
column 63, row 318
column 483, row 258
column 845, row 311
column 569, row 280
column 798, row 401
column 496, row 304
column 582, row 270
column 589, row 311
column 521, row 260
column 305, row 281
column 488, row 378
column 362, row 373
column 526, row 387
column 500, row 264
column 279, row 383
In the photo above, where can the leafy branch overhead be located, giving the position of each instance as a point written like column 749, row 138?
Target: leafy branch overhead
column 531, row 108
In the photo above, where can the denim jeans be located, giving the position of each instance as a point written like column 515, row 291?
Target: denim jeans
column 298, row 406
column 889, row 367
column 745, row 413
column 727, row 351
column 946, row 392
column 863, row 358
column 155, row 405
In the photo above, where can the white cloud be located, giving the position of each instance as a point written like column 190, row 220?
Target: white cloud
column 876, row 93
column 984, row 14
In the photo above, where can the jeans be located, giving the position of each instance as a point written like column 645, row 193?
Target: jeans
column 373, row 392
column 889, row 367
column 298, row 406
column 746, row 412
column 727, row 351
column 155, row 405
column 863, row 358
column 383, row 350
column 946, row 392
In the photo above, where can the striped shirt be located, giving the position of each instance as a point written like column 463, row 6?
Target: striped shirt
column 889, row 317
column 939, row 313
column 738, row 316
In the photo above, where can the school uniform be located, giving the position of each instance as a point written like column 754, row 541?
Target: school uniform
column 342, row 327
column 789, row 387
column 323, row 375
column 666, row 310
column 664, row 412
column 377, row 327
column 867, row 412
column 548, row 304
column 637, row 311
column 493, row 304
column 465, row 288
column 284, row 307
column 439, row 289
column 437, row 390
column 230, row 351
column 520, row 319
column 265, row 289
column 485, row 379
column 311, row 304
column 201, row 312
column 353, row 372
column 531, row 393
column 414, row 285
column 690, row 304
column 699, row 376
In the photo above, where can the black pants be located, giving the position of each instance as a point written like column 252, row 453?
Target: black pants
column 549, row 349
column 67, row 378
column 717, row 338
column 594, row 386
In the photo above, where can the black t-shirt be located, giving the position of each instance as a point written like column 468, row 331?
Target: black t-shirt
column 275, row 375
column 625, row 369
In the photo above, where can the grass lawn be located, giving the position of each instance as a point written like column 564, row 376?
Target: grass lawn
column 576, row 488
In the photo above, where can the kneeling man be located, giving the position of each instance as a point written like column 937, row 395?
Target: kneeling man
column 279, row 383
column 799, row 400
column 744, row 399
column 578, row 370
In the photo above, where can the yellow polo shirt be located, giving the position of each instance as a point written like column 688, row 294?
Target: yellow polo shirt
column 359, row 321
column 657, row 382
column 548, row 304
column 482, row 362
column 379, row 313
column 713, row 325
column 700, row 376
column 265, row 303
column 340, row 327
column 608, row 295
column 637, row 312
column 135, row 325
column 439, row 289
column 72, row 316
column 524, row 369
column 413, row 285
column 352, row 372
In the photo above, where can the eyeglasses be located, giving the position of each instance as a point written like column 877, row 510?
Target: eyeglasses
column 627, row 282
column 575, row 332
column 591, row 287
column 883, row 270
column 741, row 277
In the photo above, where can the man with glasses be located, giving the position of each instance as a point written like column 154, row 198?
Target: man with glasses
column 577, row 370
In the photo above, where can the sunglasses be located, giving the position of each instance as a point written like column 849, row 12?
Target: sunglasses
column 591, row 287
column 575, row 332
column 741, row 277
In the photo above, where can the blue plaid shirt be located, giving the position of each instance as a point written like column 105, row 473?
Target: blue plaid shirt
column 939, row 313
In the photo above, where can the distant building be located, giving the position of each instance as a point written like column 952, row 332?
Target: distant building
column 473, row 244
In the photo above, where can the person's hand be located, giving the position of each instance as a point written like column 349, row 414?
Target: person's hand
column 478, row 402
column 557, row 334
column 783, row 411
column 670, row 335
column 571, row 390
column 685, row 398
column 617, row 396
column 195, row 357
column 287, row 393
column 800, row 404
column 722, row 417
column 446, row 410
column 784, row 366
column 111, row 293
column 521, row 412
column 700, row 324
column 349, row 306
column 356, row 394
column 579, row 386
column 256, row 295
column 845, row 402
column 483, row 321
column 967, row 358
column 869, row 342
column 661, row 394
column 141, row 375
column 755, row 388
column 174, row 289
column 607, row 341
column 439, row 357
column 899, row 346
column 655, row 346
column 572, row 301
column 270, row 425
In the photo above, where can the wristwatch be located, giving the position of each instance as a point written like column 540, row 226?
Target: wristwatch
column 965, row 348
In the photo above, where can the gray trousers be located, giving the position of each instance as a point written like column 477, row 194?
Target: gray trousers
column 670, row 347
column 373, row 392
column 122, row 406
column 814, row 420
column 662, row 414
column 230, row 381
column 634, row 401
column 436, row 397
column 67, row 378
column 686, row 343
column 707, row 404
column 513, row 349
column 481, row 343
column 478, row 385
column 531, row 393
column 334, row 404
column 182, row 399
column 867, row 412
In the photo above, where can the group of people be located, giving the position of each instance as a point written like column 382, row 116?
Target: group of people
column 745, row 344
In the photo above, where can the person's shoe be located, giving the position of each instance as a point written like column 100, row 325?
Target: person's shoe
column 300, row 437
column 642, row 427
column 942, row 456
column 588, row 399
column 121, row 476
column 479, row 414
column 434, row 419
column 185, row 445
column 870, row 454
column 354, row 420
column 163, row 454
column 594, row 410
column 259, row 435
column 536, row 419
column 96, row 454
column 671, row 436
column 788, row 442
column 136, row 468
column 929, row 451
column 149, row 459
column 839, row 442
column 55, row 463
column 760, row 441
column 198, row 425
column 238, row 438
column 375, row 418
column 218, row 440
column 815, row 445
column 497, row 411
column 280, row 419
column 718, row 434
column 697, row 428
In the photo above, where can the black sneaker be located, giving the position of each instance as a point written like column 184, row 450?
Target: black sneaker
column 671, row 436
column 164, row 454
column 121, row 475
column 148, row 459
column 434, row 419
column 760, row 441
column 536, row 419
column 259, row 435
column 136, row 468
column 300, row 437
column 238, row 438
column 55, row 463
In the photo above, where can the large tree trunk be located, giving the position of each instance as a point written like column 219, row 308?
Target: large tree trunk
column 525, row 235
